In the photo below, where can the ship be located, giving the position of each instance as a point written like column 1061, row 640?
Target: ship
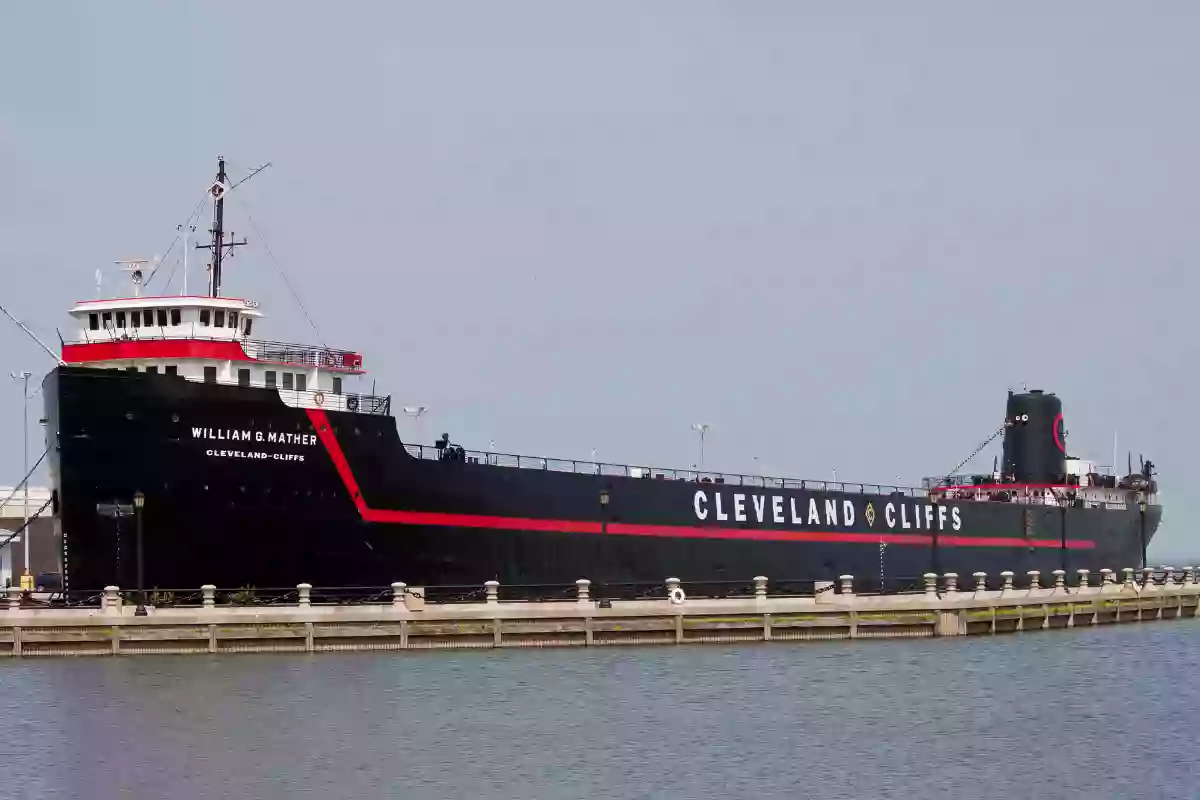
column 251, row 462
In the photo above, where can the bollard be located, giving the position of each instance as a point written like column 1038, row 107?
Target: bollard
column 583, row 590
column 398, row 593
column 760, row 587
column 1128, row 573
column 14, row 598
column 304, row 595
column 209, row 594
column 951, row 582
column 1148, row 577
column 1007, row 577
column 1083, row 578
column 980, row 581
column 1034, row 580
column 1107, row 576
column 1060, row 580
column 493, row 591
column 930, row 583
column 1189, row 576
column 847, row 582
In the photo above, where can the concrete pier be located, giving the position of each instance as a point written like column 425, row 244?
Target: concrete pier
column 405, row 621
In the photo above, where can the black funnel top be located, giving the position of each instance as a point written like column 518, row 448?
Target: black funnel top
column 1035, row 447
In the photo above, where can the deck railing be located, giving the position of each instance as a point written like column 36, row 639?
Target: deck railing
column 432, row 453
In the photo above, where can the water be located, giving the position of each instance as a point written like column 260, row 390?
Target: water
column 1102, row 713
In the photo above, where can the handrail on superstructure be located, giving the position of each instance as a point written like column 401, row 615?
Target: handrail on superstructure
column 257, row 349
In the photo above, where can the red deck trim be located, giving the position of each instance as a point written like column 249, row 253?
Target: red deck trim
column 328, row 438
column 219, row 350
column 1003, row 487
column 153, row 348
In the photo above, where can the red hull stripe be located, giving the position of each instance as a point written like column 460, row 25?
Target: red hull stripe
column 325, row 433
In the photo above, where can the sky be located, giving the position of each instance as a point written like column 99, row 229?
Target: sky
column 835, row 233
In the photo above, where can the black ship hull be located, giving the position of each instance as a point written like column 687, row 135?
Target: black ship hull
column 242, row 489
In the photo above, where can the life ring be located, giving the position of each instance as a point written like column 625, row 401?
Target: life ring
column 676, row 596
column 319, row 398
column 352, row 403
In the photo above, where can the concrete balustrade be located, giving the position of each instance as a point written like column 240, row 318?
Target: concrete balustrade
column 407, row 622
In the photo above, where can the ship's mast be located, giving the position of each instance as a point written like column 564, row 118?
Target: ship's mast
column 217, row 191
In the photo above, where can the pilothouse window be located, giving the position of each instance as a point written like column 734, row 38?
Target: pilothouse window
column 270, row 379
column 301, row 380
column 162, row 318
column 107, row 319
column 176, row 316
column 233, row 320
column 248, row 324
column 210, row 374
column 287, row 380
column 120, row 319
column 94, row 322
column 337, row 385
column 204, row 316
column 135, row 319
column 243, row 375
column 219, row 318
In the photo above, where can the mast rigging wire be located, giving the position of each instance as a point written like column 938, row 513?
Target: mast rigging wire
column 282, row 274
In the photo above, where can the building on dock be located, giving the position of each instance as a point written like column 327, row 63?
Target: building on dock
column 44, row 549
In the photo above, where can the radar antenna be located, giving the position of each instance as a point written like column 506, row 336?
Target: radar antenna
column 134, row 268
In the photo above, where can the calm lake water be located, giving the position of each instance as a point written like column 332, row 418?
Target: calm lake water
column 1105, row 713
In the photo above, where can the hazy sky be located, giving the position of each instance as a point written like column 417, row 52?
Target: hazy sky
column 838, row 233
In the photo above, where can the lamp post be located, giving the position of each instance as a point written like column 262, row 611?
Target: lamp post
column 139, row 500
column 24, row 378
column 1064, row 503
column 702, row 429
column 935, row 498
column 1142, row 514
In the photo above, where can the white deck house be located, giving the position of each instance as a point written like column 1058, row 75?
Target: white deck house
column 211, row 340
